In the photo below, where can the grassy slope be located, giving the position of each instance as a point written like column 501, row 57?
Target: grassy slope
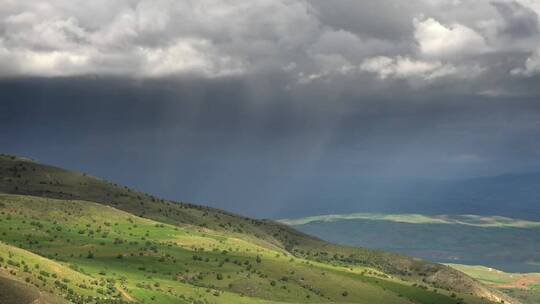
column 129, row 257
column 22, row 176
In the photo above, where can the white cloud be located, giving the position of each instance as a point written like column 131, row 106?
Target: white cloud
column 151, row 38
column 531, row 68
column 418, row 73
column 210, row 38
column 442, row 41
column 187, row 56
column 532, row 4
column 404, row 67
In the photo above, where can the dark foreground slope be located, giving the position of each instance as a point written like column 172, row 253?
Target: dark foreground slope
column 30, row 180
column 17, row 292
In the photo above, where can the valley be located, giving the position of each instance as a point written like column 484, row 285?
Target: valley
column 66, row 235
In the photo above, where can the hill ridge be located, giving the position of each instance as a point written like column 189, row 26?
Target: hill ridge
column 22, row 177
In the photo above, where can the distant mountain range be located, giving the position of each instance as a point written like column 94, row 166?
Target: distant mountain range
column 498, row 242
column 511, row 195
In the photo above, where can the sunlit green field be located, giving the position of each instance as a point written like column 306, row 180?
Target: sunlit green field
column 488, row 275
column 67, row 235
column 84, row 250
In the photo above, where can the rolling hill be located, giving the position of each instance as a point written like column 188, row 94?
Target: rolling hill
column 68, row 235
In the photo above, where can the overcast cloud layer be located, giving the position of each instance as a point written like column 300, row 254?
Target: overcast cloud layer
column 242, row 103
column 422, row 41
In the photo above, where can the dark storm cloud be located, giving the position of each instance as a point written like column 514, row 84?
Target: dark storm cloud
column 250, row 105
column 364, row 18
column 216, row 142
column 518, row 21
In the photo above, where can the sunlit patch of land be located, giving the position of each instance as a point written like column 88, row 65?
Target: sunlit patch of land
column 470, row 220
column 525, row 286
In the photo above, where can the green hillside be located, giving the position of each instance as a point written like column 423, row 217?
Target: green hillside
column 91, row 241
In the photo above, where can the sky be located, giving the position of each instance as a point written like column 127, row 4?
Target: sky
column 251, row 106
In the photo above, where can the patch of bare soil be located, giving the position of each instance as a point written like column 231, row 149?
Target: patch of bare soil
column 522, row 282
